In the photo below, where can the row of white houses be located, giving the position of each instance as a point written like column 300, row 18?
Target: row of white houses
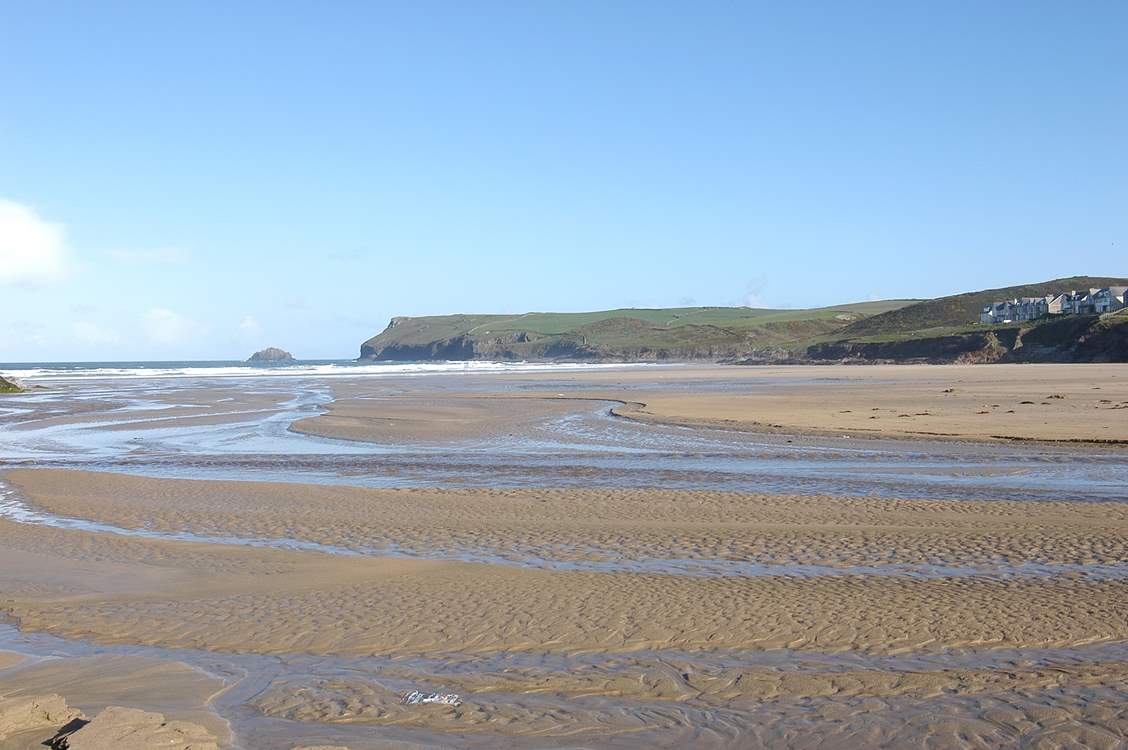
column 1092, row 302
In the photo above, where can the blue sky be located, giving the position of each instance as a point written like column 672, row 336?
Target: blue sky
column 198, row 180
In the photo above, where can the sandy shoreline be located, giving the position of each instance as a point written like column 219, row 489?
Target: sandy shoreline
column 573, row 615
column 1050, row 403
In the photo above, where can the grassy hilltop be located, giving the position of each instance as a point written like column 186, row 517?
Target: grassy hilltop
column 629, row 333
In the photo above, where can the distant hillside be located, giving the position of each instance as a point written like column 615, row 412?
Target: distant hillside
column 947, row 330
column 624, row 334
column 1069, row 338
column 963, row 309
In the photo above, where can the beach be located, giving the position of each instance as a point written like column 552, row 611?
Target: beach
column 621, row 557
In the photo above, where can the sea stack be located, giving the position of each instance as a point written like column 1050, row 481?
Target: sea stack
column 271, row 355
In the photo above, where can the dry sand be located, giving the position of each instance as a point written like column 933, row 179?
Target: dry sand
column 1044, row 408
column 1027, row 402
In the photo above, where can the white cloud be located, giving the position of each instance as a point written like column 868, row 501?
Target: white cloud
column 164, row 326
column 153, row 255
column 32, row 250
column 92, row 334
column 249, row 327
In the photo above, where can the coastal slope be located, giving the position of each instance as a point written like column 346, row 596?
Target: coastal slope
column 628, row 334
column 945, row 329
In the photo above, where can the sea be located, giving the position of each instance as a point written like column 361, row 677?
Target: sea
column 43, row 372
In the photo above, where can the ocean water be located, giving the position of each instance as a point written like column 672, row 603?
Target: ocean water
column 32, row 372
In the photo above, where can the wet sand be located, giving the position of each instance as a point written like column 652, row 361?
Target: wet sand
column 523, row 526
column 410, row 419
column 583, row 616
column 119, row 590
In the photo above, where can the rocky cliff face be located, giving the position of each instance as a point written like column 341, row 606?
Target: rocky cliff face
column 509, row 347
column 271, row 354
column 621, row 340
column 979, row 347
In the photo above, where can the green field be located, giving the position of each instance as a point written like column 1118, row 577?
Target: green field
column 674, row 317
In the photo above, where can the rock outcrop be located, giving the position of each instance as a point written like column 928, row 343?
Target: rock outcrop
column 46, row 720
column 7, row 386
column 118, row 728
column 42, row 713
column 271, row 355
